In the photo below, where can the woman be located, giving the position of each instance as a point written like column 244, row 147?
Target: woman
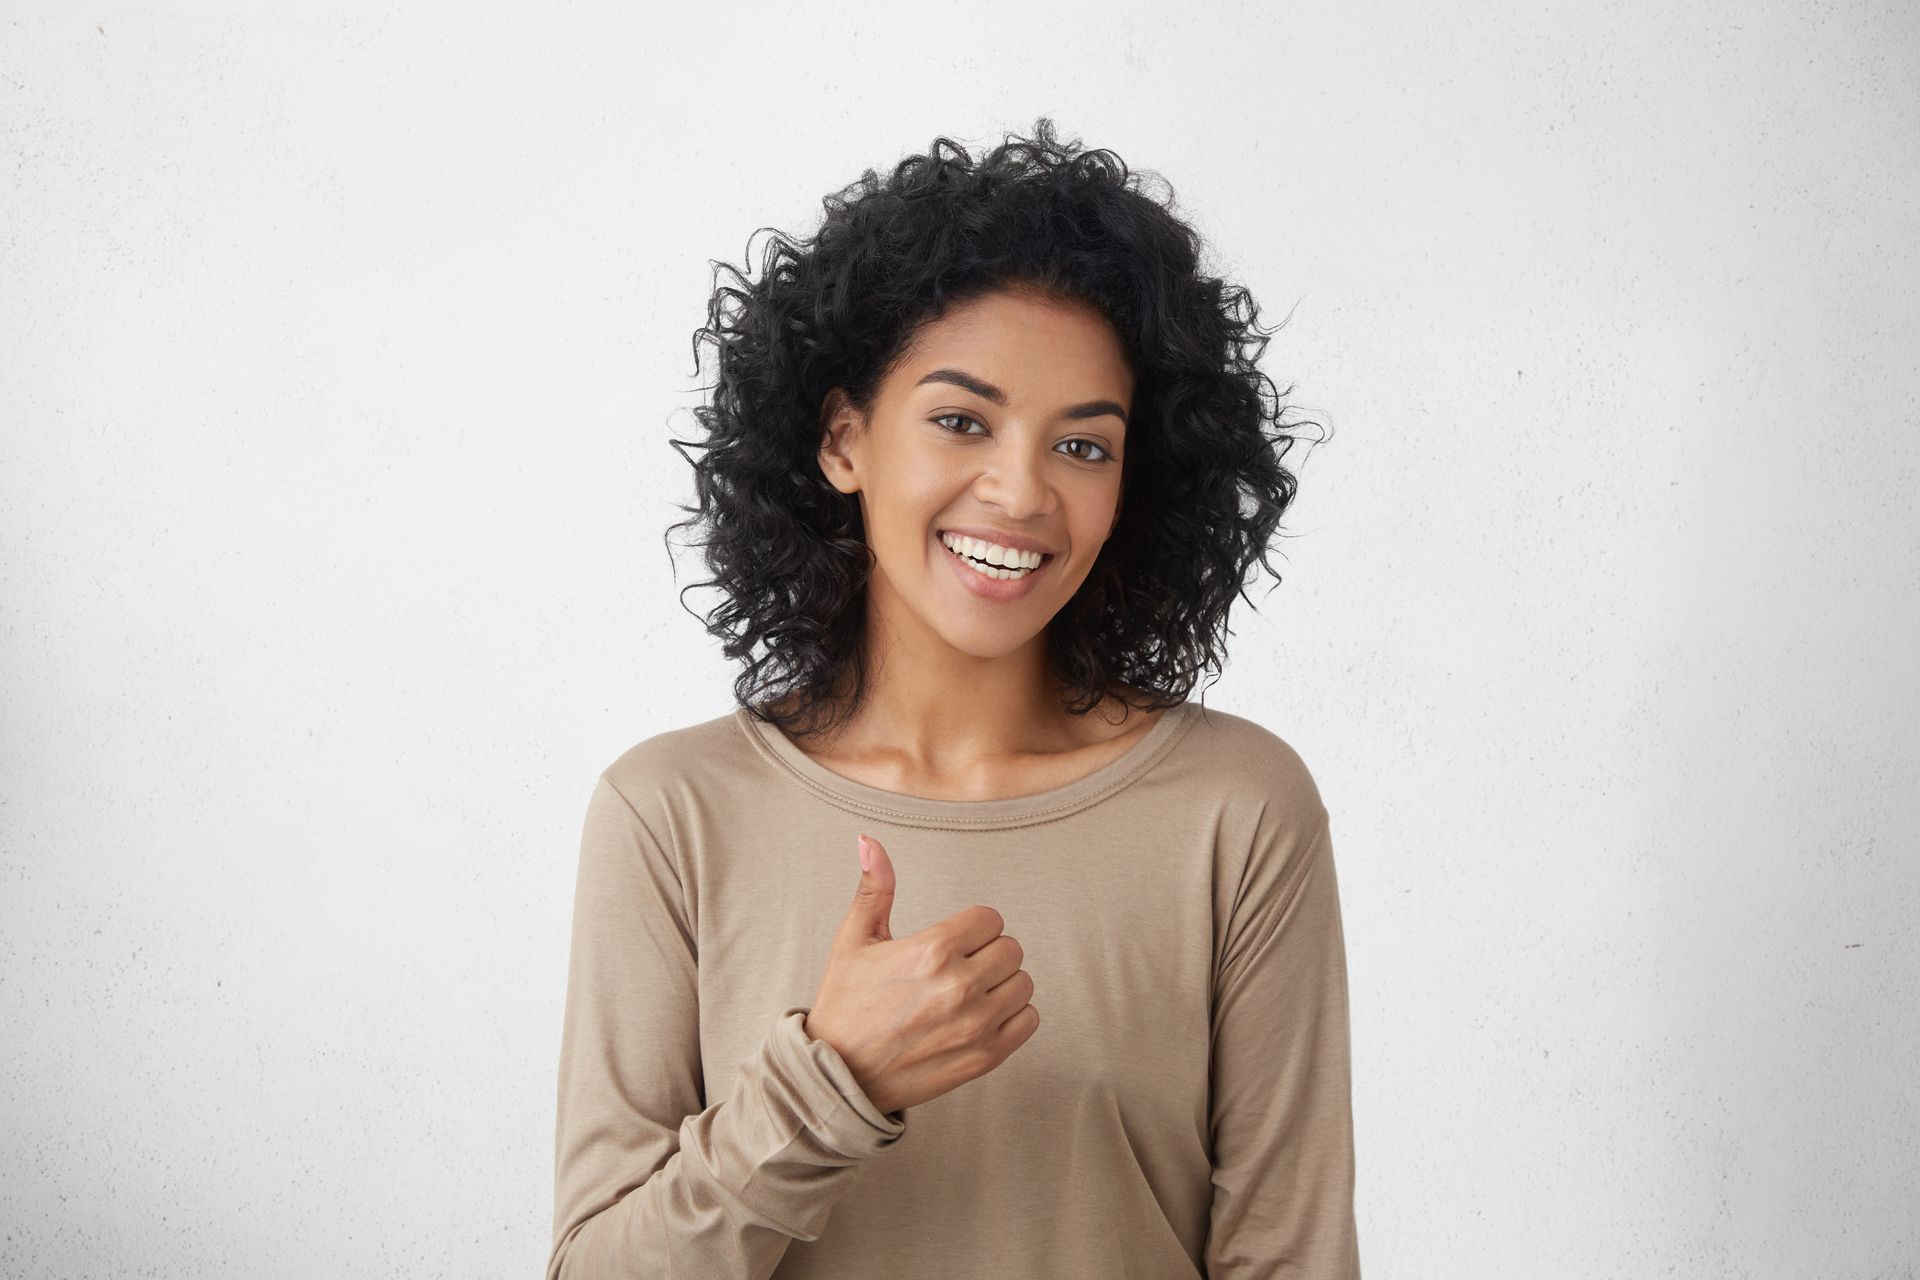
column 987, row 461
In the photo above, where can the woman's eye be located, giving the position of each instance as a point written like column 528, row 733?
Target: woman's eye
column 1091, row 444
column 945, row 418
column 955, row 417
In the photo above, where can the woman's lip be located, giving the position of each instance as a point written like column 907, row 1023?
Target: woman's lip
column 991, row 588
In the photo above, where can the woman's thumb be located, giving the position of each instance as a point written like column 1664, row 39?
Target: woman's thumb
column 873, row 900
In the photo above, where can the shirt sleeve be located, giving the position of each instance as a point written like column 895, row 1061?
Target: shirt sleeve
column 649, row 1180
column 1281, row 1109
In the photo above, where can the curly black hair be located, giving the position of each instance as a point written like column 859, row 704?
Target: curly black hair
column 1203, row 485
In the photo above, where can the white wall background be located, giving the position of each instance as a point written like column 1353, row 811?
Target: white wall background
column 338, row 357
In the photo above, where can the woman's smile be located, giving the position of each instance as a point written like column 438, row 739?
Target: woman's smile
column 990, row 582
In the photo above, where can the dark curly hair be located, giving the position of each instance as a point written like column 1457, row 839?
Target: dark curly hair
column 1203, row 485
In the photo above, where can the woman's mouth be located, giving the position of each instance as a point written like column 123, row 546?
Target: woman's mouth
column 994, row 581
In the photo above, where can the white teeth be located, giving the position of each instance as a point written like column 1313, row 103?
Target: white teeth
column 992, row 553
column 994, row 571
column 1005, row 563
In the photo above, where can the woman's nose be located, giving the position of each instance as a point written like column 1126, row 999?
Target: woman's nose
column 1016, row 483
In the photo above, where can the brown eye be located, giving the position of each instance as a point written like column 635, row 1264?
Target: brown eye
column 954, row 417
column 968, row 420
column 1092, row 444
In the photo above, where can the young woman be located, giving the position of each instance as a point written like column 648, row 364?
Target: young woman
column 987, row 462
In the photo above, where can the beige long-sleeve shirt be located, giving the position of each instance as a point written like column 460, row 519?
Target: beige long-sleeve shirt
column 1184, row 1109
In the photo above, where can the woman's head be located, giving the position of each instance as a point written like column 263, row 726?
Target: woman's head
column 1115, row 417
column 1000, row 428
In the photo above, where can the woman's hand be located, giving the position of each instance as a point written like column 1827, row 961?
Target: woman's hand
column 919, row 1016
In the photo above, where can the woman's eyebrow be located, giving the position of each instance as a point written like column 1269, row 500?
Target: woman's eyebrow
column 987, row 391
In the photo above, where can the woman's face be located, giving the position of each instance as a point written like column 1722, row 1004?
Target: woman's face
column 1005, row 419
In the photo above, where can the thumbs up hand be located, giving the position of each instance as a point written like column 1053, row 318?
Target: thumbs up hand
column 919, row 1016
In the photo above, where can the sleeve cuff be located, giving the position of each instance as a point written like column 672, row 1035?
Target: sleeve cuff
column 844, row 1115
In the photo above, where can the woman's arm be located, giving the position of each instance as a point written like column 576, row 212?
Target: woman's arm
column 1282, row 1116
column 648, row 1180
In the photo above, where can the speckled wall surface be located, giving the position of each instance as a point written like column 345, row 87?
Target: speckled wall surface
column 338, row 359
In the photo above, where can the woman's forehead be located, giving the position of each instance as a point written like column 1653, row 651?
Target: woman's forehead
column 1018, row 346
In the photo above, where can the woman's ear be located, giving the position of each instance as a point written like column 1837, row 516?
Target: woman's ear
column 839, row 423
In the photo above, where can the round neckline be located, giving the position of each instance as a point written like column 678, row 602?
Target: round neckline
column 969, row 815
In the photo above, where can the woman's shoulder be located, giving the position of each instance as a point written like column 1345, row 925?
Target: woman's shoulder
column 711, row 748
column 1244, row 755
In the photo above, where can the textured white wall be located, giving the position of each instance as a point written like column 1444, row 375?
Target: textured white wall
column 338, row 359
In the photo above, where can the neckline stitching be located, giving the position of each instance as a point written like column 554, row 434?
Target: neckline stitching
column 755, row 732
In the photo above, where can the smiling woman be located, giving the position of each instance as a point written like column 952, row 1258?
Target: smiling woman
column 1038, row 301
column 1011, row 506
column 987, row 460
